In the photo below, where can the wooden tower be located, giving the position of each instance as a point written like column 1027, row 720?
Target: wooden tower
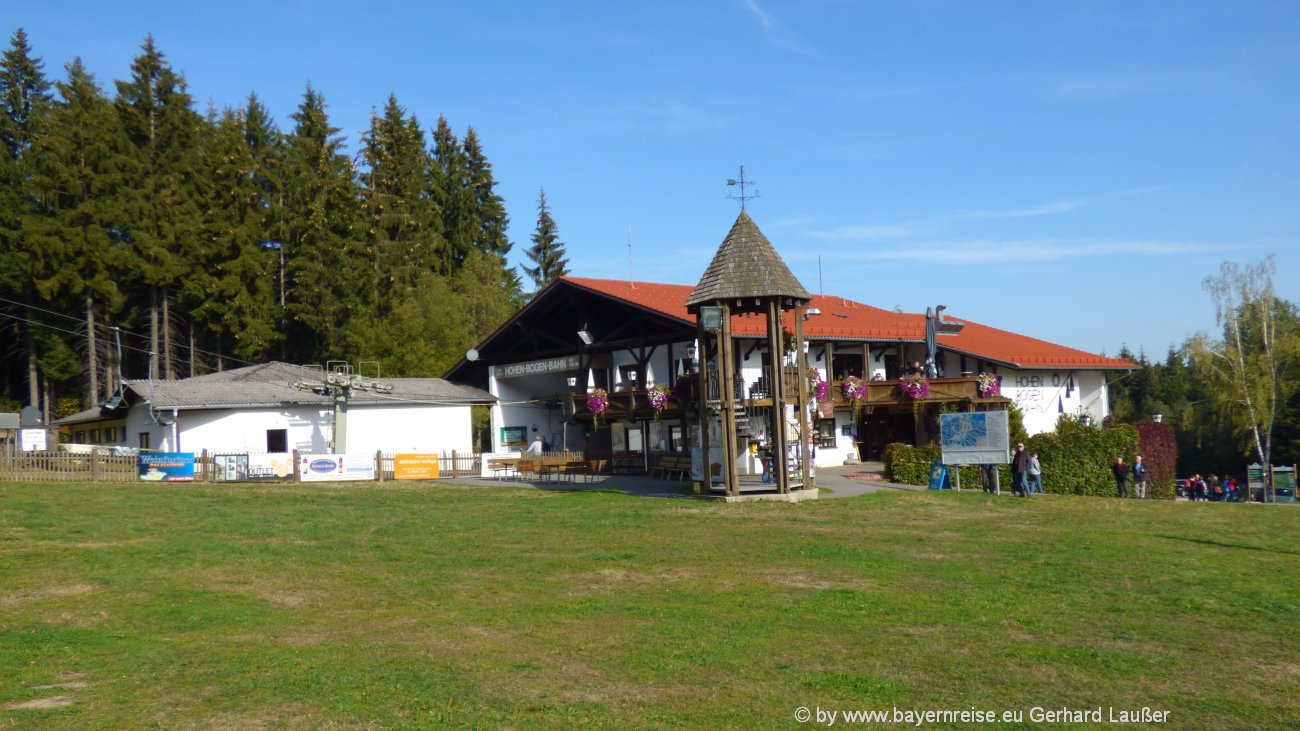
column 748, row 278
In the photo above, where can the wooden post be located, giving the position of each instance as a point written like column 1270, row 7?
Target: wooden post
column 455, row 465
column 806, row 420
column 781, row 473
column 297, row 473
column 94, row 465
column 702, row 400
column 379, row 466
column 726, row 355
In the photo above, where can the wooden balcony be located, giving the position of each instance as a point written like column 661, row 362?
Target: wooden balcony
column 634, row 404
column 630, row 404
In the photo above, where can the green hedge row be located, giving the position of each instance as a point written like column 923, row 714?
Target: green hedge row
column 1076, row 460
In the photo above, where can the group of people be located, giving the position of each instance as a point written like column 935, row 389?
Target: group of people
column 1140, row 476
column 1026, row 472
column 1213, row 489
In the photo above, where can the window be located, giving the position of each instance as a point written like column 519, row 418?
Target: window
column 277, row 440
column 144, row 440
column 94, row 436
column 826, row 433
column 79, row 437
column 110, row 434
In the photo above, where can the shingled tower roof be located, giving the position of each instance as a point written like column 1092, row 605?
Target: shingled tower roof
column 745, row 266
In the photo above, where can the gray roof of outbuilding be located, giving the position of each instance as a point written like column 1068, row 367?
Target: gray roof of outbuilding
column 272, row 384
column 746, row 265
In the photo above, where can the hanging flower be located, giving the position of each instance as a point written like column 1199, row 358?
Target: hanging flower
column 914, row 386
column 597, row 404
column 658, row 397
column 820, row 389
column 855, row 390
column 990, row 384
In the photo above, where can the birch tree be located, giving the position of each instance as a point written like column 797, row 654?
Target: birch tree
column 1251, row 371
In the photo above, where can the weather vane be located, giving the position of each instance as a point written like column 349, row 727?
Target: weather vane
column 742, row 183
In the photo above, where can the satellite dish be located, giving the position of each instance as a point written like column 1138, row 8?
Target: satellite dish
column 471, row 354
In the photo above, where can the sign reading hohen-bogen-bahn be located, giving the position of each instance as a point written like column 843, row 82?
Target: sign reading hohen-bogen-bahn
column 534, row 367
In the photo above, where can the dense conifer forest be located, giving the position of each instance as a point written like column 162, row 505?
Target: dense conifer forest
column 140, row 236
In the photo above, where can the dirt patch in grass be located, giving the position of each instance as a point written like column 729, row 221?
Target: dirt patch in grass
column 27, row 596
column 43, row 545
column 40, row 704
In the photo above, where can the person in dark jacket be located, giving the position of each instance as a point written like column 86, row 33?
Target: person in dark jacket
column 1020, row 471
column 1120, row 471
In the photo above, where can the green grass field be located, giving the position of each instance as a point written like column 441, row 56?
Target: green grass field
column 433, row 606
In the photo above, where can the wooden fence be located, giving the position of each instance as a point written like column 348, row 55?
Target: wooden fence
column 104, row 467
column 66, row 467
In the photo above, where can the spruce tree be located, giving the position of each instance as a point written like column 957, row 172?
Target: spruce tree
column 452, row 195
column 78, row 165
column 402, row 227
column 234, row 300
column 547, row 251
column 24, row 97
column 163, row 129
column 325, row 271
column 489, row 209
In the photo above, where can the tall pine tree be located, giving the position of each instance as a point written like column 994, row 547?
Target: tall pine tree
column 547, row 251
column 79, row 163
column 163, row 129
column 402, row 225
column 24, row 97
column 325, row 271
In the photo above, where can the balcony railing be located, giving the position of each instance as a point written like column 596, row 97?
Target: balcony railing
column 634, row 404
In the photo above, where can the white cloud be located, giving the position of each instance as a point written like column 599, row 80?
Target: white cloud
column 987, row 251
column 1047, row 209
column 862, row 233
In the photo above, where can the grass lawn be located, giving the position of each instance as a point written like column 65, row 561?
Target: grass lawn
column 432, row 606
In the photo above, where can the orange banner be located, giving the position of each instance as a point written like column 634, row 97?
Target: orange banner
column 415, row 466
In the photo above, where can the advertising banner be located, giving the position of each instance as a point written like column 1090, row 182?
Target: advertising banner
column 415, row 467
column 252, row 467
column 336, row 467
column 166, row 466
column 974, row 438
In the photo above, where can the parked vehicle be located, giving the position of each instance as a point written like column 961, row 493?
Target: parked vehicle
column 1181, row 488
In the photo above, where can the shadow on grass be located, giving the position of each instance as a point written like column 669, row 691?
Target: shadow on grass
column 1221, row 544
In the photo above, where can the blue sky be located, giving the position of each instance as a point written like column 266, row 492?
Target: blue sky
column 1071, row 171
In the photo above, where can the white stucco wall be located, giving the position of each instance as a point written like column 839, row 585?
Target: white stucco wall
column 1044, row 395
column 371, row 428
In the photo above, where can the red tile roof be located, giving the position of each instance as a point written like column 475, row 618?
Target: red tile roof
column 844, row 319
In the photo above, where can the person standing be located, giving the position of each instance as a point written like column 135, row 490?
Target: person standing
column 1020, row 471
column 1139, row 478
column 1035, row 474
column 1120, row 470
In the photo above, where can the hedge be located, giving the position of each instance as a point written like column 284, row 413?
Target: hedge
column 1076, row 459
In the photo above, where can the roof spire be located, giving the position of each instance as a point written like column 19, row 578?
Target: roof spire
column 742, row 183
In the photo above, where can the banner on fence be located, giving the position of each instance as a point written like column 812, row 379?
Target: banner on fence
column 252, row 467
column 167, row 466
column 415, row 467
column 335, row 467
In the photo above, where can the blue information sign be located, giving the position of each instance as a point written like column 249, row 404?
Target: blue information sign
column 939, row 476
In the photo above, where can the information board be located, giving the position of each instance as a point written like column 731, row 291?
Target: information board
column 974, row 438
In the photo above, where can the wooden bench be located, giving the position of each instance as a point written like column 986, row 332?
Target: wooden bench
column 528, row 467
column 502, row 468
column 672, row 465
